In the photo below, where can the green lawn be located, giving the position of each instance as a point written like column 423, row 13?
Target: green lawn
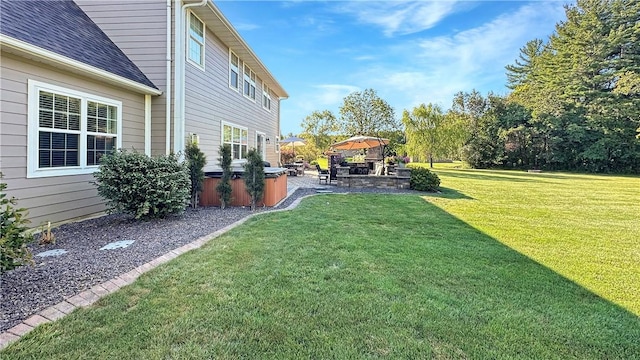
column 500, row 265
column 587, row 228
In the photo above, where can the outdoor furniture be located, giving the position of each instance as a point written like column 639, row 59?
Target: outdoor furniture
column 323, row 174
column 379, row 168
column 295, row 169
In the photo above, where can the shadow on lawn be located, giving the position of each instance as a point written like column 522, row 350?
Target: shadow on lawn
column 429, row 285
column 555, row 309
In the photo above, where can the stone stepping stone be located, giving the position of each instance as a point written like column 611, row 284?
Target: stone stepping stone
column 52, row 252
column 117, row 245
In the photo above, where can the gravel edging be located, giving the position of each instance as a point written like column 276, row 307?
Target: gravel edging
column 28, row 290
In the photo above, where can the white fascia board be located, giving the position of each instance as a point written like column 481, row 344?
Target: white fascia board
column 240, row 44
column 92, row 71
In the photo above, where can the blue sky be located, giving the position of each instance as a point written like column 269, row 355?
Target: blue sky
column 410, row 52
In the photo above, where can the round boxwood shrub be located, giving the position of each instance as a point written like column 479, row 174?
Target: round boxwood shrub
column 145, row 187
column 424, row 180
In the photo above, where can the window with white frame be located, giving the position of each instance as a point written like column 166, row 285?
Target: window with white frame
column 266, row 97
column 69, row 130
column 249, row 83
column 237, row 138
column 196, row 40
column 234, row 71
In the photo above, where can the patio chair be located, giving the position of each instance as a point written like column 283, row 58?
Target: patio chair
column 323, row 174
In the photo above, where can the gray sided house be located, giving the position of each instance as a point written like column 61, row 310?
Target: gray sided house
column 79, row 79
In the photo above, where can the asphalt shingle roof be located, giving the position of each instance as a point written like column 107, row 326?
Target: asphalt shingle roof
column 62, row 27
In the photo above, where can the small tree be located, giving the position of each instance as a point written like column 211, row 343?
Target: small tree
column 320, row 127
column 14, row 232
column 365, row 113
column 197, row 160
column 254, row 176
column 224, row 186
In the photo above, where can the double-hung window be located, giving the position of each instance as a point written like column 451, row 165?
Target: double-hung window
column 249, row 83
column 196, row 40
column 69, row 130
column 238, row 138
column 266, row 97
column 234, row 71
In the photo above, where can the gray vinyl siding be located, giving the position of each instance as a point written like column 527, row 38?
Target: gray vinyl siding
column 139, row 29
column 58, row 198
column 210, row 102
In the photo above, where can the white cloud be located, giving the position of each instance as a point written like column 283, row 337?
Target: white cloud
column 437, row 68
column 332, row 94
column 401, row 17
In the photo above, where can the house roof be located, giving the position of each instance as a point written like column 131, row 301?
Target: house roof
column 62, row 28
column 222, row 28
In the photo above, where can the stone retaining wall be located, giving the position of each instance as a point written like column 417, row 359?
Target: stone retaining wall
column 398, row 181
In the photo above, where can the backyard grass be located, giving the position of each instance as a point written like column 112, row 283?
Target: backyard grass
column 585, row 227
column 500, row 265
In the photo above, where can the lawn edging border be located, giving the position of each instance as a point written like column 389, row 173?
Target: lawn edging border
column 90, row 296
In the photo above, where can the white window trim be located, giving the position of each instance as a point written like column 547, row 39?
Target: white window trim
column 264, row 144
column 232, row 127
column 266, row 92
column 34, row 87
column 202, row 45
column 252, row 82
column 240, row 84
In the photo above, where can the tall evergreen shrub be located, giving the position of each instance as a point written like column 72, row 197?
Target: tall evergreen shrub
column 196, row 160
column 254, row 177
column 224, row 186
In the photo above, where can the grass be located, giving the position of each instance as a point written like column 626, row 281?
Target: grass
column 397, row 276
column 584, row 227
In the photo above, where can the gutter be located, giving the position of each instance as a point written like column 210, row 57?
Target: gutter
column 57, row 59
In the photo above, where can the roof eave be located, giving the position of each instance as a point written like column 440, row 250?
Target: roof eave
column 31, row 51
column 228, row 34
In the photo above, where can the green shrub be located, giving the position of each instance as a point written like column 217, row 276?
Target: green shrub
column 14, row 233
column 145, row 187
column 254, row 177
column 423, row 180
column 224, row 188
column 196, row 161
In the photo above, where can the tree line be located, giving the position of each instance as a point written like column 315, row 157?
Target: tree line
column 574, row 104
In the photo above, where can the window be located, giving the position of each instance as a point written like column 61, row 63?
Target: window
column 237, row 137
column 260, row 144
column 234, row 71
column 196, row 40
column 266, row 97
column 69, row 130
column 249, row 83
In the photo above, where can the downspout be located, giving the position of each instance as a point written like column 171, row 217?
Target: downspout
column 147, row 125
column 278, row 134
column 167, row 135
column 179, row 107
